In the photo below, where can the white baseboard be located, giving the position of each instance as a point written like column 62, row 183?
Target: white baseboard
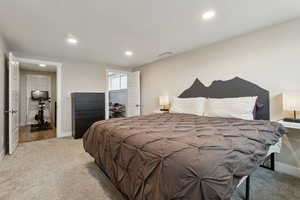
column 64, row 134
column 287, row 169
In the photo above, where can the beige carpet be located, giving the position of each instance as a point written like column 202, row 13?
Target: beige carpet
column 54, row 169
column 59, row 169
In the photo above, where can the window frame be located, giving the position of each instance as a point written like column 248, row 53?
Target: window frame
column 119, row 77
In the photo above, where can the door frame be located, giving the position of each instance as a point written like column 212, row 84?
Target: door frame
column 107, row 89
column 13, row 140
column 58, row 65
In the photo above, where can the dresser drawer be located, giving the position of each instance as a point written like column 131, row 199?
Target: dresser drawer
column 87, row 108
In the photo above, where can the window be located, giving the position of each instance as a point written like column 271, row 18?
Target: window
column 123, row 81
column 117, row 81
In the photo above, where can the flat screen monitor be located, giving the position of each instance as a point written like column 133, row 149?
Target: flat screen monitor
column 38, row 95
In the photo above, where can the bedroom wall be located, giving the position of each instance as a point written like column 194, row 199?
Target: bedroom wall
column 3, row 51
column 81, row 77
column 269, row 57
column 77, row 76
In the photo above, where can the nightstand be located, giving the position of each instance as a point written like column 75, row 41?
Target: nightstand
column 290, row 124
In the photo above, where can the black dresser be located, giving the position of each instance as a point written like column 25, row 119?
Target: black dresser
column 87, row 108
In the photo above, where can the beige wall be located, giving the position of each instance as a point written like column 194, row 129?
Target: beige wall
column 80, row 77
column 2, row 97
column 76, row 77
column 269, row 57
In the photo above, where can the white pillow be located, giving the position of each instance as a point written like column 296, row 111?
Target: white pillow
column 188, row 105
column 241, row 107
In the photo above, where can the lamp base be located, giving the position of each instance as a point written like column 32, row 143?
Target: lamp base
column 293, row 120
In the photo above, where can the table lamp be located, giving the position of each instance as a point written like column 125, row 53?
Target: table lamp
column 291, row 102
column 164, row 102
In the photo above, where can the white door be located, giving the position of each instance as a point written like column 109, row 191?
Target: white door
column 134, row 96
column 13, row 103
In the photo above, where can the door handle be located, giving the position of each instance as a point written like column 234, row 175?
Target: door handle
column 137, row 105
column 11, row 111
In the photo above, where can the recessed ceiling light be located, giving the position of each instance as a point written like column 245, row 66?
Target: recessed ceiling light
column 72, row 40
column 128, row 53
column 208, row 15
column 42, row 65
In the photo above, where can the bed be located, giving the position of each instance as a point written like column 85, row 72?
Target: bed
column 183, row 156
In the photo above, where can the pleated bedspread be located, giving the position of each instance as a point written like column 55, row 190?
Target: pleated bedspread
column 179, row 156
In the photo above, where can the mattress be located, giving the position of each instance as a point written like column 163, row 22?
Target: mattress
column 179, row 156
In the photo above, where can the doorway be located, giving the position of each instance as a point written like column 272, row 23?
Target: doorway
column 122, row 94
column 34, row 100
column 117, row 94
column 37, row 102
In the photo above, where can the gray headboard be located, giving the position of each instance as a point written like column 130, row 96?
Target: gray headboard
column 236, row 87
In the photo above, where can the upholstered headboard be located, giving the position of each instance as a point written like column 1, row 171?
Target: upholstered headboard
column 236, row 87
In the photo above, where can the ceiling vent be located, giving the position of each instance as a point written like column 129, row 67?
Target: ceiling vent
column 164, row 54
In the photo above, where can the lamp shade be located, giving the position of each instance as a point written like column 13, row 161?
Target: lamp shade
column 164, row 100
column 291, row 101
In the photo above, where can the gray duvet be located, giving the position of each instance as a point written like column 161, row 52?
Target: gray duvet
column 179, row 156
